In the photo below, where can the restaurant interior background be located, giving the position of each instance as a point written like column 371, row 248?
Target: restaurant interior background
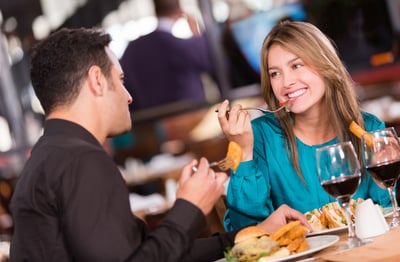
column 367, row 34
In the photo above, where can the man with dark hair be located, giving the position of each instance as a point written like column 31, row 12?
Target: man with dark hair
column 162, row 69
column 71, row 202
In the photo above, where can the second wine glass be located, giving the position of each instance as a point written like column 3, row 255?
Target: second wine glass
column 339, row 173
column 381, row 157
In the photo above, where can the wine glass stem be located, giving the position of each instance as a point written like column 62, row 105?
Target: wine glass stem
column 394, row 202
column 351, row 232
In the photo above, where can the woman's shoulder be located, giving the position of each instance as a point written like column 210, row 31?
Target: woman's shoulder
column 371, row 121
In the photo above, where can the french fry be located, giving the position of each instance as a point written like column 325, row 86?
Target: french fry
column 297, row 232
column 303, row 246
column 292, row 236
column 281, row 231
column 359, row 132
column 295, row 244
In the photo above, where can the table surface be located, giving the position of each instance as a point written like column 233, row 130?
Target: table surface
column 382, row 248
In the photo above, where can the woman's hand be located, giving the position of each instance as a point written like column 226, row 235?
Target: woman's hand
column 236, row 125
column 281, row 216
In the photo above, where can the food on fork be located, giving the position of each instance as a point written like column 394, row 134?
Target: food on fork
column 231, row 161
column 235, row 154
column 358, row 131
column 282, row 103
column 253, row 243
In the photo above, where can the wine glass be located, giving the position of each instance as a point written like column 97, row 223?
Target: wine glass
column 339, row 174
column 381, row 157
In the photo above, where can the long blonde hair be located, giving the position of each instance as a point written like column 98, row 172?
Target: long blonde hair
column 316, row 50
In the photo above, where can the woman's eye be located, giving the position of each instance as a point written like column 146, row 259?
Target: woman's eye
column 273, row 74
column 295, row 66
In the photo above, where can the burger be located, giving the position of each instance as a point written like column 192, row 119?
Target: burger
column 253, row 244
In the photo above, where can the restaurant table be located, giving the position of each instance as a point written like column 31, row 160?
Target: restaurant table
column 382, row 248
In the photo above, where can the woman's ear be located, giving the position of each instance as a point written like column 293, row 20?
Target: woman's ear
column 96, row 80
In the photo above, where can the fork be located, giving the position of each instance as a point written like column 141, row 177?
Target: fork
column 263, row 109
column 223, row 164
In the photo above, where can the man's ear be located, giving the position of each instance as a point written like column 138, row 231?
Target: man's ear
column 96, row 80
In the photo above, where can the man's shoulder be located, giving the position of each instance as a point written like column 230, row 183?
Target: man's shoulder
column 64, row 145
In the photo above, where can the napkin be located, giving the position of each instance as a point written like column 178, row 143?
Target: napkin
column 370, row 221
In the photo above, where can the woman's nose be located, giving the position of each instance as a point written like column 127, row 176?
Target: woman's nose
column 289, row 80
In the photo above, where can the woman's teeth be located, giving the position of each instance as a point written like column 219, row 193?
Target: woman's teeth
column 297, row 93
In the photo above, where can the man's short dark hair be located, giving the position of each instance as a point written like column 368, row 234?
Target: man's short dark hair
column 61, row 62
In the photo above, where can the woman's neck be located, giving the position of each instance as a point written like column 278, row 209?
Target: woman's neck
column 313, row 130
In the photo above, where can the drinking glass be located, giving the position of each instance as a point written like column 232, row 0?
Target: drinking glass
column 381, row 158
column 339, row 174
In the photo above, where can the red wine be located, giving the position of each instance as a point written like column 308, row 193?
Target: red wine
column 342, row 186
column 386, row 173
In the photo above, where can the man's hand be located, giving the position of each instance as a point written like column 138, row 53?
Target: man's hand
column 202, row 188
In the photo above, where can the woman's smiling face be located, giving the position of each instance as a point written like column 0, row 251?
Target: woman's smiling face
column 291, row 79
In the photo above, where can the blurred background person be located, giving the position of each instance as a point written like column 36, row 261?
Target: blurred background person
column 161, row 68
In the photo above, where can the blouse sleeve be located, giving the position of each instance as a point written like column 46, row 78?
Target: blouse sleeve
column 249, row 191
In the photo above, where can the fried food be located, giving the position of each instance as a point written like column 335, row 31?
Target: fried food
column 235, row 154
column 292, row 236
column 358, row 131
column 254, row 244
column 283, row 230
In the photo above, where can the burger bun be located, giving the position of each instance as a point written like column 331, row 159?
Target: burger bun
column 249, row 232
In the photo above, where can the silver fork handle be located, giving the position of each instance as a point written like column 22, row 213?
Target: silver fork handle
column 194, row 168
column 263, row 109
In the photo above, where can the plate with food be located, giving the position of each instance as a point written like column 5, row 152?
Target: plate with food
column 330, row 218
column 315, row 243
column 288, row 242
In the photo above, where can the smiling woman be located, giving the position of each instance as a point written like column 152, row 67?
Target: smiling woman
column 299, row 63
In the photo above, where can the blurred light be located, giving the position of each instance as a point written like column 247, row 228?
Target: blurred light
column 118, row 43
column 221, row 11
column 147, row 24
column 15, row 49
column 41, row 27
column 260, row 4
column 57, row 11
column 10, row 24
column 35, row 103
column 5, row 141
column 130, row 30
column 181, row 29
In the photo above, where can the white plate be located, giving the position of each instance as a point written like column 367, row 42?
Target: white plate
column 328, row 231
column 316, row 243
